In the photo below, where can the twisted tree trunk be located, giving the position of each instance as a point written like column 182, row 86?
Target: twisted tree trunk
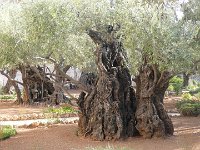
column 152, row 119
column 107, row 111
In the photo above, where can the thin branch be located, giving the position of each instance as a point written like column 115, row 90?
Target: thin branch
column 9, row 78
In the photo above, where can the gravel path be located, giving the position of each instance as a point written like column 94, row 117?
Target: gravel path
column 38, row 121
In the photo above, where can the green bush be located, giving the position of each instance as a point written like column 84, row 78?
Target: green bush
column 170, row 88
column 197, row 96
column 194, row 91
column 187, row 96
column 189, row 107
column 60, row 110
column 7, row 97
column 6, row 132
column 177, row 84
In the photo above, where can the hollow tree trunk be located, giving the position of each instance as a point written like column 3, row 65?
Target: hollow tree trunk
column 186, row 78
column 12, row 73
column 107, row 111
column 39, row 85
column 152, row 119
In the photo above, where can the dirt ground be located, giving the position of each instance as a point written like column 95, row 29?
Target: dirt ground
column 63, row 137
column 9, row 109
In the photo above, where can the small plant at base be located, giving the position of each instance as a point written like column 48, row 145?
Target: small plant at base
column 187, row 96
column 177, row 84
column 189, row 107
column 7, row 97
column 61, row 110
column 197, row 96
column 6, row 132
column 170, row 88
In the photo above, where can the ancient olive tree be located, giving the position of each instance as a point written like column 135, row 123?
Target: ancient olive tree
column 10, row 51
column 157, row 47
column 42, row 34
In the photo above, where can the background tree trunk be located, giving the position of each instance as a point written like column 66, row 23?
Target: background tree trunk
column 18, row 93
column 12, row 73
column 186, row 78
column 26, row 92
column 107, row 111
column 152, row 119
column 15, row 85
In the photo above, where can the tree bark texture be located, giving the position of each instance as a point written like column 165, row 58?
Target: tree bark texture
column 40, row 89
column 36, row 85
column 108, row 111
column 152, row 119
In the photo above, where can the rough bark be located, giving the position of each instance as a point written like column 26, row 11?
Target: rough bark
column 58, row 94
column 26, row 92
column 107, row 111
column 152, row 119
column 36, row 85
column 40, row 89
column 18, row 93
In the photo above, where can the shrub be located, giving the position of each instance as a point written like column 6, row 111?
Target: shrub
column 60, row 110
column 7, row 97
column 195, row 90
column 187, row 96
column 197, row 95
column 170, row 88
column 6, row 132
column 177, row 84
column 189, row 107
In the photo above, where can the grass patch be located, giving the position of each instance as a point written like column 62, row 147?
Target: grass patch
column 7, row 97
column 189, row 107
column 107, row 148
column 60, row 110
column 6, row 132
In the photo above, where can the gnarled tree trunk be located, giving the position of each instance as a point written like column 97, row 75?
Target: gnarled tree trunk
column 152, row 119
column 107, row 111
column 26, row 92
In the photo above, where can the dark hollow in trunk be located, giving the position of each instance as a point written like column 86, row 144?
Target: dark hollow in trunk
column 152, row 119
column 107, row 111
column 36, row 85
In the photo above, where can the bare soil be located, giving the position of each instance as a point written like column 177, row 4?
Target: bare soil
column 64, row 137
